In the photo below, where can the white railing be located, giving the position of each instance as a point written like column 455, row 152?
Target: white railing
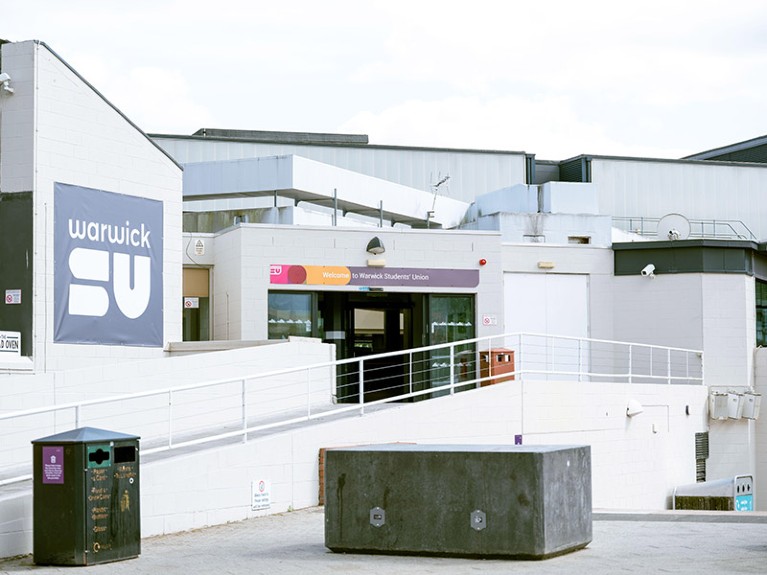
column 230, row 409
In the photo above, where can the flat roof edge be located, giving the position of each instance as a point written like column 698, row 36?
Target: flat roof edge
column 340, row 145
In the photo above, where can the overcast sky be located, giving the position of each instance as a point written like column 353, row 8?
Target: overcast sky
column 555, row 78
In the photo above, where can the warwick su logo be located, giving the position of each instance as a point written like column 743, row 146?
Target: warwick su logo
column 94, row 265
column 108, row 270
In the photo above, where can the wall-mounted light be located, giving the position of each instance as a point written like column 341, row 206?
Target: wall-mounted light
column 5, row 83
column 375, row 246
column 633, row 408
column 546, row 265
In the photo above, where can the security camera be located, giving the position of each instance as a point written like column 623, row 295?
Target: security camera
column 649, row 270
column 4, row 77
column 673, row 234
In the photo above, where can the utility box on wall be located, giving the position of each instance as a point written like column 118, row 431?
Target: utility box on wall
column 752, row 403
column 718, row 405
column 734, row 405
column 493, row 362
column 86, row 498
column 463, row 500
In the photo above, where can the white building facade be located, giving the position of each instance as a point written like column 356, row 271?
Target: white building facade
column 120, row 247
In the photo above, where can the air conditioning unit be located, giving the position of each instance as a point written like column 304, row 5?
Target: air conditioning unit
column 734, row 405
column 717, row 405
column 751, row 404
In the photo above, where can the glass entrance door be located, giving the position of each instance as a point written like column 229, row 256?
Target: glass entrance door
column 451, row 319
column 378, row 330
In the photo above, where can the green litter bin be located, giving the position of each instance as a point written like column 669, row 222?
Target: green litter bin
column 85, row 497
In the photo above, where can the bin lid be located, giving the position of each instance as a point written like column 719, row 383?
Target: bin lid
column 85, row 435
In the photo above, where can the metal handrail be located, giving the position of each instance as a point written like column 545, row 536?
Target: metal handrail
column 536, row 355
column 648, row 226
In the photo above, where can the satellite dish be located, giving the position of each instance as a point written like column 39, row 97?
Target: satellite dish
column 673, row 227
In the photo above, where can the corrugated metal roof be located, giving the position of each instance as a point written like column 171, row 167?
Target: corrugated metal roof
column 283, row 137
column 753, row 150
column 259, row 139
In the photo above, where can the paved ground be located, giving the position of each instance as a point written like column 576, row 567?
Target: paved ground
column 293, row 543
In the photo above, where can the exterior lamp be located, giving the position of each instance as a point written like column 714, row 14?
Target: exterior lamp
column 375, row 246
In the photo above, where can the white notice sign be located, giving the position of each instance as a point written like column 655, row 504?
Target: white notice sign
column 10, row 344
column 489, row 320
column 13, row 296
column 261, row 495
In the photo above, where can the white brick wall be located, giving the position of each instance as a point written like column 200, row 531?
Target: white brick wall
column 729, row 328
column 57, row 129
column 18, row 120
column 244, row 254
column 635, row 463
column 665, row 310
column 760, row 428
column 711, row 312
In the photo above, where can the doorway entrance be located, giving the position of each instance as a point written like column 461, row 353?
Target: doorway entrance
column 196, row 304
column 369, row 323
column 378, row 329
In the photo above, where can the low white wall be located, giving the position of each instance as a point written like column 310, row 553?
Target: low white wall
column 636, row 462
column 195, row 410
column 29, row 390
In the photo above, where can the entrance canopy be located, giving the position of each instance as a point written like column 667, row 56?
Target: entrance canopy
column 305, row 180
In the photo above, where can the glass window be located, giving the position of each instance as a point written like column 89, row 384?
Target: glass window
column 451, row 318
column 761, row 313
column 290, row 314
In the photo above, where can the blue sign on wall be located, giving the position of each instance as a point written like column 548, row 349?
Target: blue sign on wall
column 744, row 502
column 108, row 251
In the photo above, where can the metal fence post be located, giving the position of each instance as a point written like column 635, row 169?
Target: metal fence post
column 170, row 418
column 452, row 369
column 362, row 386
column 410, row 371
column 244, row 408
column 668, row 366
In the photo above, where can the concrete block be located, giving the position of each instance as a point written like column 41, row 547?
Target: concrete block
column 458, row 500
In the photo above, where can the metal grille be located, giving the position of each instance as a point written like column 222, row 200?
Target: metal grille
column 701, row 454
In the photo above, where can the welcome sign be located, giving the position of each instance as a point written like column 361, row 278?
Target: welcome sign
column 363, row 276
column 108, row 251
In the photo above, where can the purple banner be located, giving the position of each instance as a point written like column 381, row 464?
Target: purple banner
column 108, row 268
column 372, row 277
column 53, row 464
column 410, row 277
